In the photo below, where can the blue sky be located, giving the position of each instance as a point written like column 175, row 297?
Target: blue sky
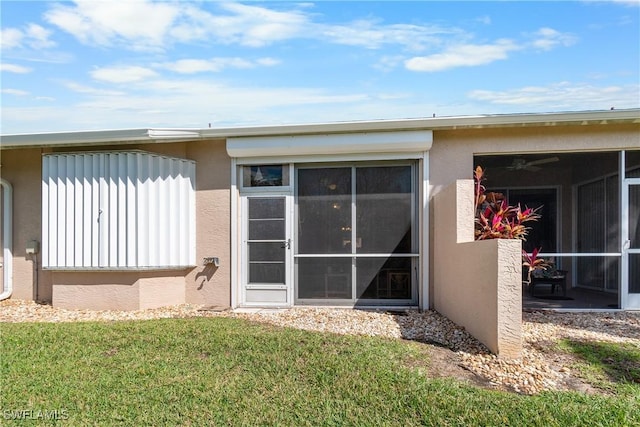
column 90, row 65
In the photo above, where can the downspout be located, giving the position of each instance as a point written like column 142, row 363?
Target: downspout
column 7, row 246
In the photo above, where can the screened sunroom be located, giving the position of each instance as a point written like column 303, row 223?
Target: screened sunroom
column 589, row 227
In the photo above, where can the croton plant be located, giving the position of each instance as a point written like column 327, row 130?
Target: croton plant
column 496, row 219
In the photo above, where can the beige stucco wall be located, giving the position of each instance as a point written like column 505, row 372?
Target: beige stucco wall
column 476, row 284
column 22, row 169
column 208, row 284
column 126, row 290
column 117, row 290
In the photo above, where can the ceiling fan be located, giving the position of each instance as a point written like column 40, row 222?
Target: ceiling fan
column 532, row 166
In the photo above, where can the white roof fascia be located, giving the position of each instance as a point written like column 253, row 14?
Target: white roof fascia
column 127, row 136
column 437, row 123
column 99, row 137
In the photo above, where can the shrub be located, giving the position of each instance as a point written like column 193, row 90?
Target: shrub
column 495, row 218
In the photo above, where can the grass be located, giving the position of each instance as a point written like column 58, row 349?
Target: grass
column 225, row 371
column 608, row 366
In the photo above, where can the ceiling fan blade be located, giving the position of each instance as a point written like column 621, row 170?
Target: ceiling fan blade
column 543, row 161
column 532, row 168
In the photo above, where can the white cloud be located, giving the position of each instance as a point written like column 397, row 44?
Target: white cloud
column 122, row 74
column 564, row 95
column 371, row 35
column 268, row 62
column 32, row 36
column 388, row 63
column 13, row 68
column 38, row 37
column 548, row 38
column 466, row 55
column 469, row 55
column 177, row 103
column 106, row 23
column 258, row 26
column 192, row 66
column 144, row 25
column 10, row 38
column 88, row 90
column 627, row 2
column 15, row 92
column 183, row 92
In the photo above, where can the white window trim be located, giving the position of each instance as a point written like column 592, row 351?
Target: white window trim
column 422, row 190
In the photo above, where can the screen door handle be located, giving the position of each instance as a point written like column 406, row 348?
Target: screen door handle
column 286, row 244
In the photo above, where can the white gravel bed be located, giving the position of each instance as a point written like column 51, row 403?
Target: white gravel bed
column 540, row 368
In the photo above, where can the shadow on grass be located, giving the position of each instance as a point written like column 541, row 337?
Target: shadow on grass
column 620, row 363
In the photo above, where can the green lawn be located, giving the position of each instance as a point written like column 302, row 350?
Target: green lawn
column 222, row 371
column 611, row 367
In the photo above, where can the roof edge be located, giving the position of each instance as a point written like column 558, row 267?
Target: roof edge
column 160, row 135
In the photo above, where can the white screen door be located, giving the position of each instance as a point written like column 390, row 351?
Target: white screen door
column 266, row 250
column 631, row 246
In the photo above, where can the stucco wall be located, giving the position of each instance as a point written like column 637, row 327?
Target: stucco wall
column 126, row 290
column 117, row 290
column 22, row 169
column 476, row 284
column 211, row 285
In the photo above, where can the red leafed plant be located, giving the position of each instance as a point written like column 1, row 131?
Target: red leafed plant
column 532, row 262
column 495, row 218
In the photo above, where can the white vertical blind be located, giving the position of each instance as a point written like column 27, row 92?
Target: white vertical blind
column 118, row 210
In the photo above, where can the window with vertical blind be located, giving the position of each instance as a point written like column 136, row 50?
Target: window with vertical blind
column 117, row 210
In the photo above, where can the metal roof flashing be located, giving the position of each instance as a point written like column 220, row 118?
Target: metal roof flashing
column 165, row 135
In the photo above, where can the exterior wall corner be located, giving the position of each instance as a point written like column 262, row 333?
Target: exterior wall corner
column 477, row 284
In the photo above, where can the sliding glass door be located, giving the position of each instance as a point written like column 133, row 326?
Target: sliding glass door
column 356, row 234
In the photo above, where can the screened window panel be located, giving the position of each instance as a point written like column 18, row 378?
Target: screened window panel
column 599, row 272
column 634, row 216
column 324, row 211
column 266, row 208
column 632, row 163
column 266, row 272
column 384, row 278
column 266, row 251
column 612, row 211
column 634, row 273
column 118, row 210
column 384, row 209
column 591, row 211
column 266, row 218
column 324, row 278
